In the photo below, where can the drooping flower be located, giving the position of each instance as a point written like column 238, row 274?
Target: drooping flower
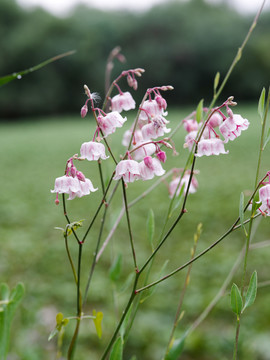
column 161, row 155
column 174, row 185
column 210, row 147
column 128, row 170
column 150, row 109
column 156, row 128
column 190, row 125
column 231, row 127
column 93, row 151
column 136, row 138
column 190, row 139
column 72, row 186
column 215, row 120
column 122, row 102
column 150, row 167
column 264, row 194
column 110, row 122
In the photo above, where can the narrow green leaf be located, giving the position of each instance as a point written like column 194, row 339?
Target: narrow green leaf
column 18, row 75
column 117, row 350
column 97, row 321
column 199, row 112
column 261, row 104
column 52, row 334
column 251, row 291
column 176, row 349
column 116, row 268
column 236, row 300
column 267, row 139
column 150, row 224
column 9, row 304
column 59, row 318
column 241, row 209
column 125, row 323
column 216, row 81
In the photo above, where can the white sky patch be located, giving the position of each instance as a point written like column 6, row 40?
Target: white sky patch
column 62, row 7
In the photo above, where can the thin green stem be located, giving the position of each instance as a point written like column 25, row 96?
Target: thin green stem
column 129, row 225
column 98, row 209
column 130, row 301
column 70, row 260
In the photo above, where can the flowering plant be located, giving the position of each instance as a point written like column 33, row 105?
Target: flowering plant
column 148, row 144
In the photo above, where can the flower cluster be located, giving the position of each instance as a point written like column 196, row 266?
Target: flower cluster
column 150, row 125
column 72, row 183
column 209, row 142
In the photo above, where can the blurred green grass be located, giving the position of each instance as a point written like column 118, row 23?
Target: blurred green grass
column 34, row 153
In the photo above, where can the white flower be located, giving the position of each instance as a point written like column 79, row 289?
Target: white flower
column 72, row 186
column 110, row 122
column 210, row 147
column 128, row 170
column 150, row 167
column 93, row 151
column 174, row 185
column 231, row 127
column 122, row 102
column 264, row 194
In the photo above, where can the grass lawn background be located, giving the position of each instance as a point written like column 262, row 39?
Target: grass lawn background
column 34, row 153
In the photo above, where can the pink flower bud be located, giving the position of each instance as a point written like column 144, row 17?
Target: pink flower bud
column 84, row 111
column 161, row 155
column 148, row 161
column 161, row 102
column 80, row 176
column 73, row 171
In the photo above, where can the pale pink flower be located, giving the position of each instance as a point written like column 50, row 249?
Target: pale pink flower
column 136, row 138
column 93, row 151
column 156, row 128
column 215, row 120
column 150, row 109
column 162, row 103
column 110, row 122
column 128, row 170
column 142, row 151
column 264, row 194
column 72, row 186
column 150, row 167
column 210, row 147
column 174, row 185
column 122, row 102
column 231, row 127
column 190, row 139
column 190, row 125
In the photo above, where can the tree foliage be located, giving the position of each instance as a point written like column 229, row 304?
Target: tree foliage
column 182, row 44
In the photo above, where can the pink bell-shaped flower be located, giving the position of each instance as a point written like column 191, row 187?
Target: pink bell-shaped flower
column 72, row 186
column 128, row 170
column 210, row 147
column 231, row 127
column 150, row 109
column 215, row 120
column 264, row 194
column 150, row 167
column 122, row 102
column 110, row 122
column 93, row 151
column 174, row 185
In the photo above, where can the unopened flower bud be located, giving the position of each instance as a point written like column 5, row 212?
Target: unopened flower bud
column 73, row 171
column 161, row 155
column 161, row 102
column 148, row 161
column 87, row 91
column 84, row 111
column 80, row 176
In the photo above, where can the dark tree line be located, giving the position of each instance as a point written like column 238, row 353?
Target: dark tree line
column 181, row 44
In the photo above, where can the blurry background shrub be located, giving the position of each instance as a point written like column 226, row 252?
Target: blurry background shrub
column 182, row 44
